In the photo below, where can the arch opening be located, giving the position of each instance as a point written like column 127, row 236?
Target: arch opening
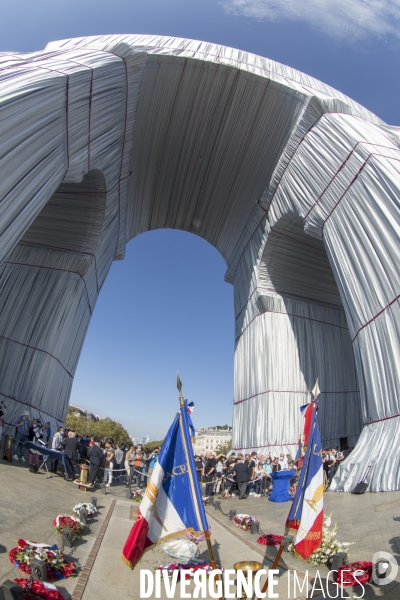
column 296, row 278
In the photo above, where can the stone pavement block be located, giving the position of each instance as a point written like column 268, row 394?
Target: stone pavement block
column 102, row 590
column 29, row 503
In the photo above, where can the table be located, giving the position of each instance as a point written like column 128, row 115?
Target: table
column 50, row 453
column 280, row 491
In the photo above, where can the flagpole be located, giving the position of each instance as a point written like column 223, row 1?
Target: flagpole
column 315, row 392
column 276, row 561
column 206, row 531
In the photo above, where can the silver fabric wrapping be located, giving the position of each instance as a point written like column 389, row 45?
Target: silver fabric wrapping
column 295, row 184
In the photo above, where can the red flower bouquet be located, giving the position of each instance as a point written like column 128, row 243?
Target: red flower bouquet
column 37, row 589
column 66, row 521
column 348, row 573
column 270, row 539
column 137, row 495
column 57, row 568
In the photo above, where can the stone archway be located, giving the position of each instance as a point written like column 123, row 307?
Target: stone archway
column 217, row 142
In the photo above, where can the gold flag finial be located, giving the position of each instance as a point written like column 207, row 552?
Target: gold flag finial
column 179, row 386
column 316, row 391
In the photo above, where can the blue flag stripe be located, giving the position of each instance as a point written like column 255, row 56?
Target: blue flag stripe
column 194, row 482
column 312, row 463
column 177, row 461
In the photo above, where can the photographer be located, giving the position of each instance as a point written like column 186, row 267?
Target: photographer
column 35, row 434
column 153, row 459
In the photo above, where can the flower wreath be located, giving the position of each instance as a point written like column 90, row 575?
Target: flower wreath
column 137, row 495
column 57, row 568
column 243, row 521
column 63, row 521
column 270, row 539
column 361, row 569
column 188, row 567
column 90, row 508
column 37, row 589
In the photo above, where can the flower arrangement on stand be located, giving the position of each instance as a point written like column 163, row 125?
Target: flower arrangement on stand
column 189, row 567
column 137, row 495
column 243, row 521
column 57, row 568
column 270, row 539
column 32, row 589
column 90, row 508
column 66, row 521
column 328, row 547
column 362, row 570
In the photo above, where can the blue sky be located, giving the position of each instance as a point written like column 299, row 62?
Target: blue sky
column 167, row 307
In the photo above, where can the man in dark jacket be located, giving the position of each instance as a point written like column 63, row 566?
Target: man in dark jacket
column 71, row 449
column 96, row 459
column 242, row 478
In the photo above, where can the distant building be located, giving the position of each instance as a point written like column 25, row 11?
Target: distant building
column 209, row 439
column 82, row 412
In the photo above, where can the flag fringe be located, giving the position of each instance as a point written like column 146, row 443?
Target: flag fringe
column 160, row 541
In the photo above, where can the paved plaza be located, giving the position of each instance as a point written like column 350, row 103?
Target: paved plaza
column 30, row 502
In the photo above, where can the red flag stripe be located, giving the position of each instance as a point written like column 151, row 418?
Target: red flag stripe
column 137, row 542
column 312, row 539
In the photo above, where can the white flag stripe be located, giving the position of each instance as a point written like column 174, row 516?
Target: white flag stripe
column 161, row 515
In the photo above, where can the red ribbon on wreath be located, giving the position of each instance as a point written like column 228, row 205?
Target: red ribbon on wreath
column 361, row 569
column 37, row 590
column 270, row 539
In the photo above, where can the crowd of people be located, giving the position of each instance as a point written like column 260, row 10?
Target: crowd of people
column 238, row 474
column 107, row 460
column 244, row 475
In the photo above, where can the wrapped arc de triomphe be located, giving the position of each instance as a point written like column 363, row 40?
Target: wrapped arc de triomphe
column 296, row 185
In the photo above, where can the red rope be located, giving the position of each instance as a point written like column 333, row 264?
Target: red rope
column 268, row 446
column 8, row 262
column 90, row 115
column 122, row 152
column 375, row 316
column 340, row 168
column 384, row 419
column 360, row 170
column 287, row 314
column 30, row 406
column 39, row 350
column 291, row 392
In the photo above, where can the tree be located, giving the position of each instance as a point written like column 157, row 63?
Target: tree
column 105, row 428
column 149, row 447
column 224, row 448
column 77, row 422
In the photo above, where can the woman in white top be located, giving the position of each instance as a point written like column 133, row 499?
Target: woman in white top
column 283, row 462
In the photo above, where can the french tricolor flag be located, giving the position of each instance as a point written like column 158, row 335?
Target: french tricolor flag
column 307, row 512
column 172, row 503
